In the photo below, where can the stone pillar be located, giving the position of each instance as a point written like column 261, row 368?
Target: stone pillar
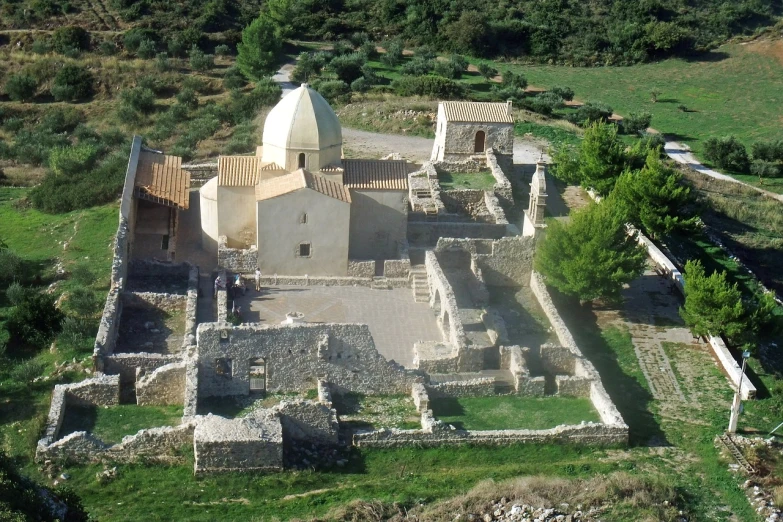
column 534, row 215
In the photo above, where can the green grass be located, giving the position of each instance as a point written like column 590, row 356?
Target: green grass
column 482, row 180
column 356, row 410
column 110, row 424
column 513, row 412
column 554, row 131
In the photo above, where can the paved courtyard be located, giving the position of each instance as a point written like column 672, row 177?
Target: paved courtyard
column 396, row 321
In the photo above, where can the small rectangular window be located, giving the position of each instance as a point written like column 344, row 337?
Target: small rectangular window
column 304, row 249
column 223, row 367
column 303, row 218
column 164, row 244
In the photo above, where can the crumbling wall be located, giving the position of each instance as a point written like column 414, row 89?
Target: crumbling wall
column 308, row 421
column 502, row 188
column 296, row 357
column 478, row 387
column 364, row 269
column 444, row 302
column 572, row 386
column 191, row 308
column 506, row 261
column 468, row 203
column 421, row 398
column 514, row 359
column 250, row 443
column 161, row 301
column 239, row 260
column 165, row 385
column 125, row 364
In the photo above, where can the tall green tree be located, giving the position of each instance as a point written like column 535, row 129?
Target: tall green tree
column 597, row 163
column 257, row 53
column 653, row 198
column 712, row 306
column 592, row 256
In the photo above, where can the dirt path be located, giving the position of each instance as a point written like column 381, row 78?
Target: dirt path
column 681, row 154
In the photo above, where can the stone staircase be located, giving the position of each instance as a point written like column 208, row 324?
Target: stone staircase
column 380, row 283
column 421, row 290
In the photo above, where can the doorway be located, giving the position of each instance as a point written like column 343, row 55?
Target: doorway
column 258, row 375
column 479, row 145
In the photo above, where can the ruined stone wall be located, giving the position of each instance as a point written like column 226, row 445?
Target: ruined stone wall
column 296, row 357
column 505, row 261
column 587, row 433
column 557, row 360
column 435, row 357
column 572, row 386
column 397, row 268
column 444, row 302
column 145, row 300
column 502, row 188
column 125, row 364
column 421, row 398
column 250, row 443
column 494, row 209
column 274, row 280
column 191, row 308
column 238, row 260
column 468, row 203
column 478, row 387
column 190, row 399
column 308, row 421
column 146, row 268
column 427, row 233
column 165, row 385
column 363, row 269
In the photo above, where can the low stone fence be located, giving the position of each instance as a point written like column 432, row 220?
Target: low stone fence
column 146, row 300
column 155, row 444
column 514, row 359
column 428, row 232
column 507, row 261
column 478, row 387
column 492, row 204
column 191, row 308
column 241, row 260
column 125, row 365
column 438, row 434
column 502, row 188
column 397, row 268
column 146, row 268
column 103, row 390
column 582, row 367
column 731, row 368
column 163, row 386
column 190, row 399
column 421, row 398
column 308, row 421
column 200, row 173
column 362, row 269
column 444, row 302
column 285, row 280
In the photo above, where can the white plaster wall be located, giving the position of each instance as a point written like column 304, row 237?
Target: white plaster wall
column 280, row 233
column 236, row 214
column 209, row 216
column 379, row 223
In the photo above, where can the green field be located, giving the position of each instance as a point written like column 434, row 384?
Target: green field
column 482, row 180
column 111, row 424
column 513, row 412
column 735, row 89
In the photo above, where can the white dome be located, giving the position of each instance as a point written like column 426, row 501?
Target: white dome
column 302, row 120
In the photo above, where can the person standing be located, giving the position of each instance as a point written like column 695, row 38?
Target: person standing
column 258, row 279
column 239, row 283
column 218, row 286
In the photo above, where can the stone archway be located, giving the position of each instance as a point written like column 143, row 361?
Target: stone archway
column 446, row 324
column 301, row 160
column 436, row 305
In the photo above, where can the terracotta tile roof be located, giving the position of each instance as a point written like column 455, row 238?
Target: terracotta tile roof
column 488, row 112
column 160, row 178
column 376, row 174
column 272, row 188
column 238, row 171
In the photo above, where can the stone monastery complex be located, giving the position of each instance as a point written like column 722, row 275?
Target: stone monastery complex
column 375, row 280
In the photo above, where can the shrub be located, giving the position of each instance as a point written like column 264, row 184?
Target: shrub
column 448, row 69
column 334, row 90
column 61, row 119
column 76, row 159
column 107, row 48
column 132, row 39
column 139, row 99
column 766, row 169
column 72, row 83
column 636, row 122
column 187, row 97
column 162, row 63
column 431, row 86
column 393, row 55
column 307, row 67
column 233, row 79
column 24, row 372
column 82, row 275
column 727, row 153
column 591, row 112
column 418, row 66
column 566, row 93
column 21, row 87
column 487, row 71
column 83, row 302
column 183, row 41
column 147, row 49
column 222, row 50
column 713, row 306
column 369, row 50
column 347, row 67
column 15, row 293
column 266, row 92
column 41, row 46
column 768, row 150
column 35, row 321
column 200, row 61
column 512, row 79
column 9, row 264
column 546, row 103
column 66, row 39
column 360, row 85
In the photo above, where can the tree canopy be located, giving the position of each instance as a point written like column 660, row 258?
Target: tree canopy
column 258, row 51
column 712, row 305
column 592, row 256
column 597, row 163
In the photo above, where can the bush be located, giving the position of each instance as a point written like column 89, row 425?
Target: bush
column 487, row 71
column 200, row 61
column 187, row 97
column 452, row 69
column 393, row 55
column 15, row 293
column 636, row 122
column 768, row 150
column 266, row 92
column 307, row 67
column 727, row 153
column 21, row 87
column 591, row 112
column 418, row 67
column 25, row 371
column 76, row 159
column 431, row 86
column 511, row 79
column 184, row 41
column 72, row 83
column 140, row 99
column 82, row 275
column 83, row 302
column 545, row 103
column 766, row 169
column 369, row 50
column 67, row 39
column 147, row 49
column 233, row 79
column 162, row 63
column 35, row 321
column 222, row 50
column 566, row 93
column 132, row 39
column 334, row 90
column 360, row 85
column 41, row 46
column 347, row 67
column 9, row 265
column 107, row 48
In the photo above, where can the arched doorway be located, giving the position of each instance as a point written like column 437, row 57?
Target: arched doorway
column 479, row 146
column 301, row 163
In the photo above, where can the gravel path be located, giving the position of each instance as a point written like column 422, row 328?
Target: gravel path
column 682, row 154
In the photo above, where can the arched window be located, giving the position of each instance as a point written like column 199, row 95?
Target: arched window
column 301, row 160
column 479, row 142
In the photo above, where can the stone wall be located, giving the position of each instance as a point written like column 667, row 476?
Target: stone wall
column 296, row 357
column 308, row 421
column 557, row 360
column 397, row 268
column 146, row 268
column 731, row 368
column 514, row 359
column 444, row 302
column 495, row 211
column 421, row 398
column 506, row 261
column 275, row 280
column 478, row 387
column 590, row 433
column 363, row 269
column 165, row 385
column 468, row 203
column 427, row 233
column 241, row 260
column 250, row 443
column 191, row 308
column 125, row 364
column 222, row 300
column 502, row 188
column 571, row 386
column 435, row 357
column 190, row 399
column 324, row 393
column 145, row 300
